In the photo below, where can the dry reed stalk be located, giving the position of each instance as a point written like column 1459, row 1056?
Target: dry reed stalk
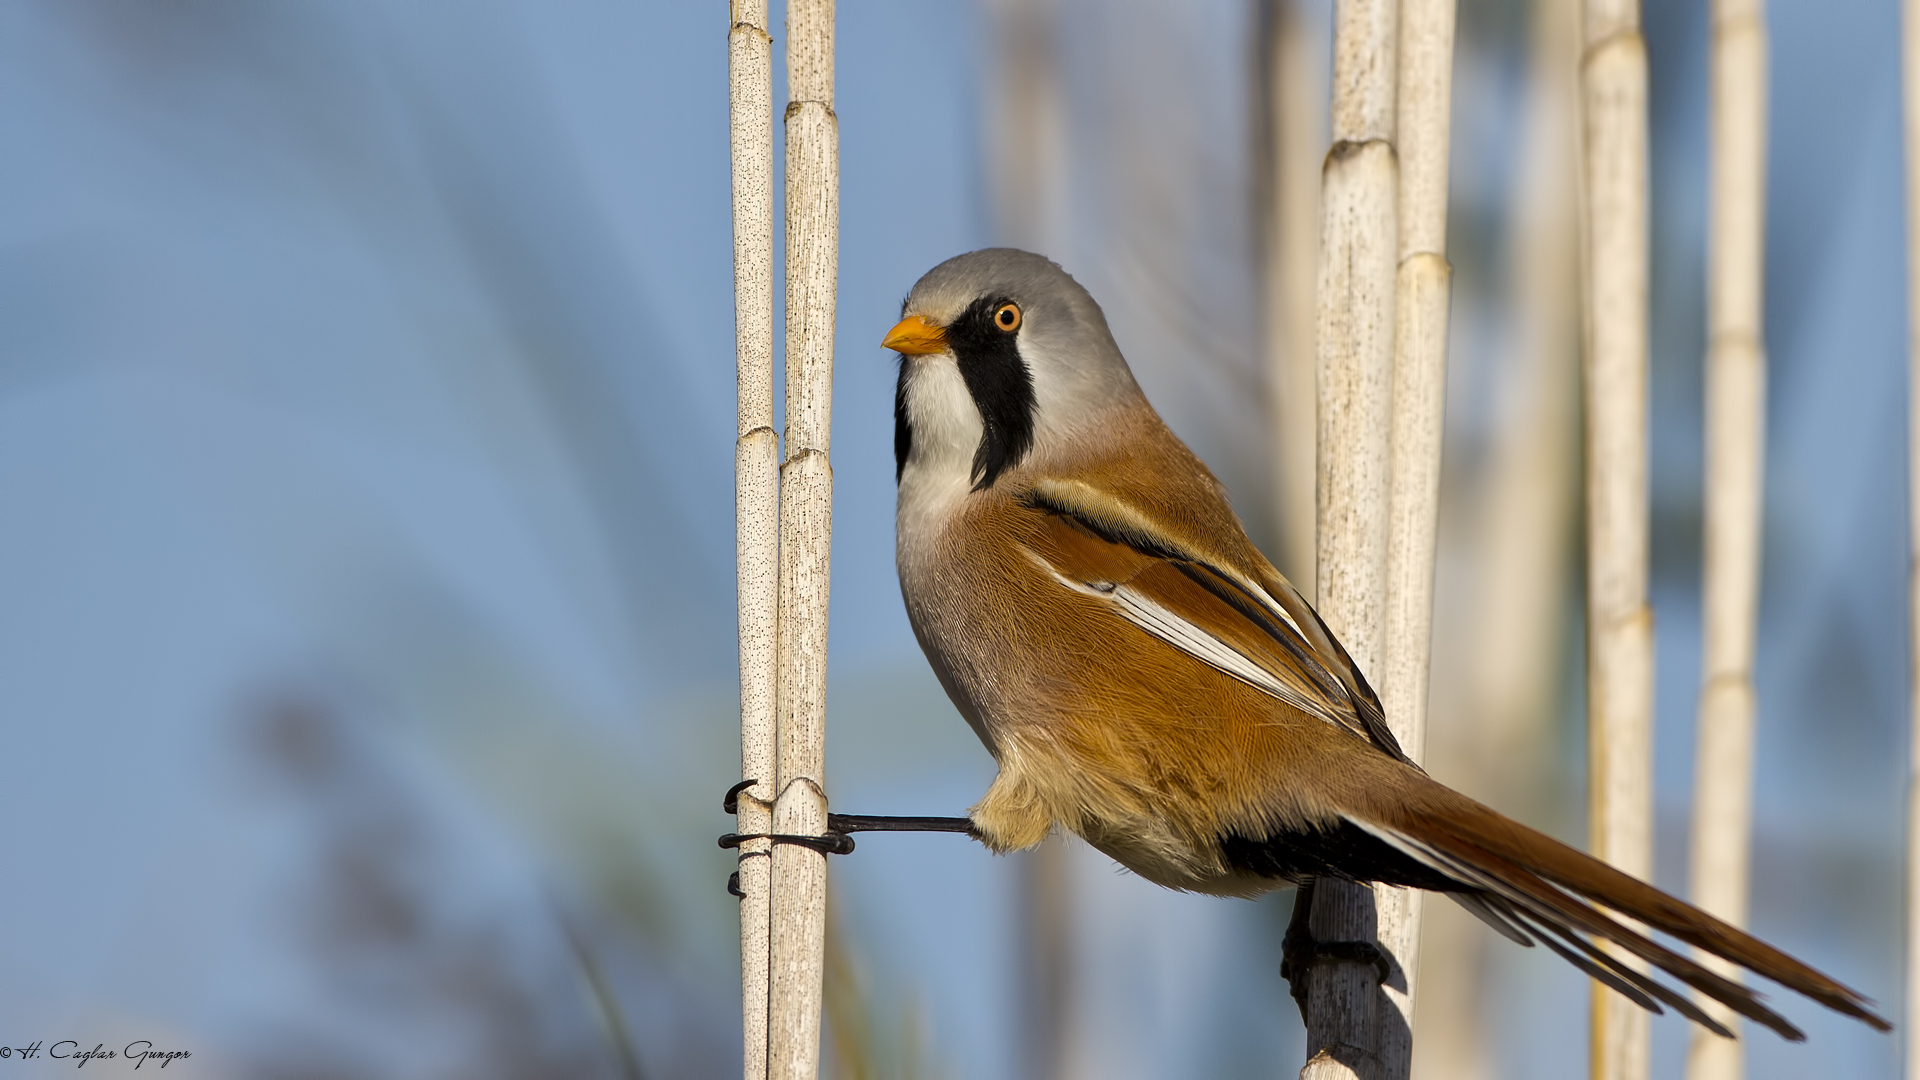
column 806, row 521
column 1294, row 104
column 1529, row 511
column 1026, row 143
column 1492, row 726
column 1736, row 418
column 1422, row 287
column 1910, row 75
column 1359, row 249
column 756, row 481
column 1619, row 622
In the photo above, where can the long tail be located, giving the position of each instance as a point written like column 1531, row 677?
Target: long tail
column 1530, row 886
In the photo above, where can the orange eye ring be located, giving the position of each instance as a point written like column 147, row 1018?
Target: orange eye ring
column 1007, row 318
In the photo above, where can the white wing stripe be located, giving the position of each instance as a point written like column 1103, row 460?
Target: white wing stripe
column 1091, row 503
column 1185, row 636
column 1182, row 634
column 1274, row 607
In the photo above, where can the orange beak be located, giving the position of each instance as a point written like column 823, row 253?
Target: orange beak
column 915, row 336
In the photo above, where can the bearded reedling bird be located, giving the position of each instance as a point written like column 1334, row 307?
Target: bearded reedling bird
column 1146, row 679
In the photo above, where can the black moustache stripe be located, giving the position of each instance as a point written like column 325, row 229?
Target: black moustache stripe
column 1001, row 387
column 902, row 427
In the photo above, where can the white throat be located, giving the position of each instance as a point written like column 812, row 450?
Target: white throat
column 947, row 431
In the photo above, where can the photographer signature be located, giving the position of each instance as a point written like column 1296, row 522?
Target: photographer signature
column 140, row 1051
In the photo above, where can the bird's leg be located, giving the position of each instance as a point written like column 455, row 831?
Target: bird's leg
column 1299, row 939
column 836, row 841
column 1301, row 952
column 852, row 823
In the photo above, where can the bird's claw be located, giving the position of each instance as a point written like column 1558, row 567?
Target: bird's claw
column 731, row 804
column 832, row 842
column 1301, row 952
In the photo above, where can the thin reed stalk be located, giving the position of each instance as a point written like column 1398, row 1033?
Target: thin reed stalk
column 1736, row 420
column 1423, row 281
column 1292, row 103
column 806, row 523
column 756, row 473
column 1359, row 250
column 1619, row 622
column 1492, row 732
column 1026, row 141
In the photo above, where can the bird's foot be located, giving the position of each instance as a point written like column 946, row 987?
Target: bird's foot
column 827, row 843
column 833, row 842
column 1301, row 952
column 836, row 841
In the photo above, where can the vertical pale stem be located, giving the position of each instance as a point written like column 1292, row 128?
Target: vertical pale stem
column 1026, row 144
column 1736, row 416
column 1530, row 508
column 1027, row 140
column 806, row 520
column 1295, row 108
column 1619, row 622
column 756, row 483
column 1910, row 66
column 1359, row 249
column 1422, row 286
column 1493, row 730
column 1045, row 995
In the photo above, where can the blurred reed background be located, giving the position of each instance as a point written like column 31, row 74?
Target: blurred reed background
column 366, row 658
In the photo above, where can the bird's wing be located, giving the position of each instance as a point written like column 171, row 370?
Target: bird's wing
column 1395, row 824
column 1113, row 552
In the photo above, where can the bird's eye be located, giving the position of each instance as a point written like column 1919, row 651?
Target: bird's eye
column 1008, row 317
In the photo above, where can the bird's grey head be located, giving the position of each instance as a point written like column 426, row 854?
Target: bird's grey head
column 1002, row 355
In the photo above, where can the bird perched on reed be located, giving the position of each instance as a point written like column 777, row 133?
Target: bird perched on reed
column 1147, row 680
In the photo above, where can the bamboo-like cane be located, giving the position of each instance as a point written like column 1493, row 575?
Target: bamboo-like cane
column 1294, row 103
column 1422, row 287
column 806, row 520
column 1026, row 144
column 1619, row 622
column 1492, row 727
column 1359, row 249
column 1910, row 73
column 1736, row 418
column 1026, row 140
column 756, row 481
